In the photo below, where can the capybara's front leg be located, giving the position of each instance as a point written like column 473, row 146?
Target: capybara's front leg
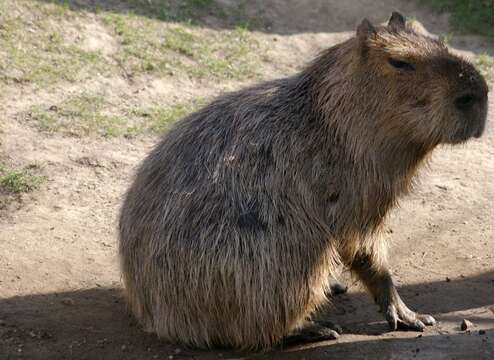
column 379, row 282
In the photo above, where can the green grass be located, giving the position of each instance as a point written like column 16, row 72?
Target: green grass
column 475, row 16
column 88, row 115
column 164, row 49
column 19, row 181
column 33, row 49
column 184, row 11
column 158, row 119
column 165, row 10
column 485, row 64
column 38, row 41
column 78, row 116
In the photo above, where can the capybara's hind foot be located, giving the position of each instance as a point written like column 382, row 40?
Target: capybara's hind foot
column 310, row 332
column 329, row 325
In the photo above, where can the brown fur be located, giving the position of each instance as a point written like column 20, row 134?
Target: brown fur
column 239, row 216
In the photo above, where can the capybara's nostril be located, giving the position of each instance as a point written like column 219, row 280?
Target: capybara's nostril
column 465, row 102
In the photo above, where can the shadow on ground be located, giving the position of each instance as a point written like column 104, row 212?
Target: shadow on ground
column 94, row 324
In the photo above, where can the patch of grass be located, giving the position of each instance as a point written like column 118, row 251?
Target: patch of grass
column 40, row 41
column 80, row 115
column 32, row 48
column 18, row 181
column 158, row 119
column 88, row 115
column 165, row 10
column 485, row 64
column 150, row 46
column 476, row 16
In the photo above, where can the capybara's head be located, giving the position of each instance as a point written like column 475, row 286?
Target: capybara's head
column 422, row 93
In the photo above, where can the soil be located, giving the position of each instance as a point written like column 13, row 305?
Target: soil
column 60, row 287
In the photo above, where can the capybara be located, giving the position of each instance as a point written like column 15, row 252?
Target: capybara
column 239, row 217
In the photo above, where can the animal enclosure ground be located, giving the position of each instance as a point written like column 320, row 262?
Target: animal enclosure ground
column 86, row 87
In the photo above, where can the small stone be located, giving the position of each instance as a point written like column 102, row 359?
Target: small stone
column 2, row 322
column 53, row 108
column 178, row 351
column 45, row 335
column 481, row 332
column 67, row 301
column 123, row 348
column 466, row 324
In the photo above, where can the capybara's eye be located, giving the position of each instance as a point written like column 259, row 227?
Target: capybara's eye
column 401, row 65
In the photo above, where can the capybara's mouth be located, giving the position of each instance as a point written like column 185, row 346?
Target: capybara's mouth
column 467, row 132
column 480, row 130
column 478, row 133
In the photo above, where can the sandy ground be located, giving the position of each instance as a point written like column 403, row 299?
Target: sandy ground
column 60, row 288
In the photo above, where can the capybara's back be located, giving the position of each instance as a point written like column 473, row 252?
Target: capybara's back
column 239, row 216
column 215, row 228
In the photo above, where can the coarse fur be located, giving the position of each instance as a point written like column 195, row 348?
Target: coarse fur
column 239, row 216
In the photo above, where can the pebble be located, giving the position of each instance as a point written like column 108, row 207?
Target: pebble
column 466, row 324
column 68, row 301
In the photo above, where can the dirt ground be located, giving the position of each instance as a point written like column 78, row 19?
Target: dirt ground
column 60, row 288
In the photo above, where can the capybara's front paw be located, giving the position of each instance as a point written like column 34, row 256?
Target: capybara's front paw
column 399, row 316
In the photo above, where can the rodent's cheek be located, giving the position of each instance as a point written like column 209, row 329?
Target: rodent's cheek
column 443, row 124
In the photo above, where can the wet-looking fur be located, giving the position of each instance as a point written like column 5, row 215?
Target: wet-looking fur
column 238, row 217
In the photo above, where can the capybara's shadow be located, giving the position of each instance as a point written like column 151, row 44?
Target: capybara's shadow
column 358, row 315
column 94, row 324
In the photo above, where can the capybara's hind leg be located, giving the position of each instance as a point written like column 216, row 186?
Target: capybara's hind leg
column 310, row 332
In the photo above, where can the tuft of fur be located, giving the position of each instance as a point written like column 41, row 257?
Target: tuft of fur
column 238, row 217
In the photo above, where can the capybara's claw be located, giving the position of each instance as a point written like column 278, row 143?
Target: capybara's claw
column 413, row 325
column 426, row 319
column 400, row 317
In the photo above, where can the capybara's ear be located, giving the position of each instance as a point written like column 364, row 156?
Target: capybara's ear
column 397, row 21
column 365, row 29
